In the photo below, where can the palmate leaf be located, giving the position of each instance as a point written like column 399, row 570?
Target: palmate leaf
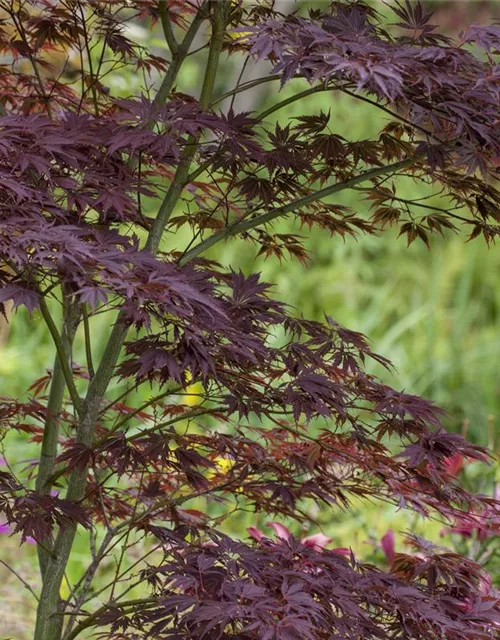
column 286, row 414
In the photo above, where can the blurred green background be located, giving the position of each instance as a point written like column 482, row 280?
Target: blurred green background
column 435, row 314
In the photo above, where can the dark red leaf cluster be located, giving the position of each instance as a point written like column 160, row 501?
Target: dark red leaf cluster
column 285, row 414
column 289, row 591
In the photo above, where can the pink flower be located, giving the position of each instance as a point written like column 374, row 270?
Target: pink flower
column 387, row 543
column 318, row 541
column 280, row 530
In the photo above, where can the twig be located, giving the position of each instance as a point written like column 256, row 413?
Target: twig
column 265, row 218
column 21, row 579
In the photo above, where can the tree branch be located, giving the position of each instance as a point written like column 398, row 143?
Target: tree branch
column 265, row 218
column 166, row 23
column 48, row 622
column 179, row 56
column 180, row 418
column 85, row 581
column 244, row 87
column 21, row 579
column 62, row 356
column 88, row 344
column 180, row 179
column 136, row 411
column 296, row 96
column 48, row 451
column 91, row 619
column 175, row 65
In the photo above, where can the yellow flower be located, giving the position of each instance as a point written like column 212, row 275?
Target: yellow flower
column 223, row 465
column 194, row 394
column 65, row 589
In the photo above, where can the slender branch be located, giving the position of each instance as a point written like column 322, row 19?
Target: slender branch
column 168, row 501
column 413, row 203
column 284, row 103
column 179, row 56
column 352, row 94
column 93, row 78
column 48, row 624
column 185, row 416
column 175, row 65
column 86, row 579
column 63, row 356
column 125, row 545
column 123, row 574
column 296, row 96
column 21, row 579
column 265, row 218
column 18, row 22
column 88, row 344
column 244, row 87
column 167, row 27
column 393, row 114
column 48, row 452
column 182, row 172
column 91, row 619
column 199, row 170
column 135, row 412
column 119, row 398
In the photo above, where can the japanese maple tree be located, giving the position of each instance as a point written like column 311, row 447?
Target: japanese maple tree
column 287, row 414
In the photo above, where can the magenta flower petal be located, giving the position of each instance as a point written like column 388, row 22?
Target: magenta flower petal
column 342, row 551
column 256, row 534
column 387, row 542
column 317, row 541
column 280, row 530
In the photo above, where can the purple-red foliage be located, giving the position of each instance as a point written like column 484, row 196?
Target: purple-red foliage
column 287, row 414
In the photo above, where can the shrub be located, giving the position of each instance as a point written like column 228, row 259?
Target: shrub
column 286, row 415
